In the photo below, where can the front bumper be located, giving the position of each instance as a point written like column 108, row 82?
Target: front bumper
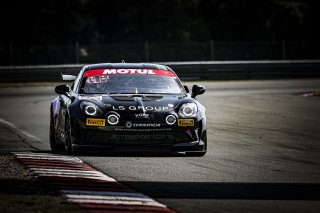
column 113, row 138
column 197, row 146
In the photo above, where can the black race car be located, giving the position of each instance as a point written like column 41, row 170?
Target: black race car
column 127, row 107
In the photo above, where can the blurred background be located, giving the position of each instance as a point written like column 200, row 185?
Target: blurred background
column 38, row 32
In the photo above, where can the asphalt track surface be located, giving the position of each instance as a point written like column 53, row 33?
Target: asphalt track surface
column 264, row 143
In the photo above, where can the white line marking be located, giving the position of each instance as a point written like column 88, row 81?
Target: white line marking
column 78, row 176
column 116, row 202
column 66, row 170
column 99, row 197
column 75, row 174
column 69, row 174
column 49, row 158
column 46, row 156
column 94, row 174
column 113, row 200
column 20, row 131
column 43, row 155
column 103, row 193
column 73, row 171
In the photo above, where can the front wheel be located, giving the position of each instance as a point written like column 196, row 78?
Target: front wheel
column 68, row 145
column 52, row 137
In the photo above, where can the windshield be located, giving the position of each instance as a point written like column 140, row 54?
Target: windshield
column 144, row 82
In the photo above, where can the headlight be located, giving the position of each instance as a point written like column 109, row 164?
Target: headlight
column 113, row 119
column 188, row 110
column 90, row 109
column 171, row 119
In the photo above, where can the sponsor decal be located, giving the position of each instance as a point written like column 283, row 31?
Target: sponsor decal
column 129, row 124
column 145, row 125
column 142, row 115
column 170, row 105
column 105, row 72
column 95, row 122
column 153, row 137
column 104, row 78
column 185, row 122
column 96, row 98
column 143, row 130
column 97, row 79
column 144, row 108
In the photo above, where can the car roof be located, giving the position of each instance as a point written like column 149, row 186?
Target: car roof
column 126, row 66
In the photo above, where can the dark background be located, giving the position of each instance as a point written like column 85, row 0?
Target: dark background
column 58, row 27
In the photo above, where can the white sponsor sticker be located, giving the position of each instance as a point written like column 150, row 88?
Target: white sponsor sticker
column 144, row 108
column 96, row 98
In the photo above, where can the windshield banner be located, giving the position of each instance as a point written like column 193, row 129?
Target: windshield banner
column 90, row 73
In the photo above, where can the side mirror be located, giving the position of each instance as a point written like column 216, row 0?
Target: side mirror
column 62, row 89
column 197, row 90
column 186, row 88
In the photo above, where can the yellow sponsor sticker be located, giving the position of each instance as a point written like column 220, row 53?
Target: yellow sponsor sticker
column 185, row 122
column 95, row 122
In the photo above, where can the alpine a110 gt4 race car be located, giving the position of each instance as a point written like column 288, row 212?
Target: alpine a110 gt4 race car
column 124, row 106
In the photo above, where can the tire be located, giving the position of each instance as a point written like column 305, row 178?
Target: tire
column 201, row 153
column 52, row 137
column 67, row 132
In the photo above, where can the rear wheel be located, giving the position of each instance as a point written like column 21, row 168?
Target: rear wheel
column 52, row 136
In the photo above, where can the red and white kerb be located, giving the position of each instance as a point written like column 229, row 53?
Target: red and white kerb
column 91, row 73
column 90, row 189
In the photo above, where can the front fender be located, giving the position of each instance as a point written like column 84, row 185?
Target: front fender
column 55, row 106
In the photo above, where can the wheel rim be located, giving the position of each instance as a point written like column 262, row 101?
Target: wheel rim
column 51, row 129
column 67, row 136
column 52, row 137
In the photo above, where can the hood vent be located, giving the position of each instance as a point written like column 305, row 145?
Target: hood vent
column 131, row 98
